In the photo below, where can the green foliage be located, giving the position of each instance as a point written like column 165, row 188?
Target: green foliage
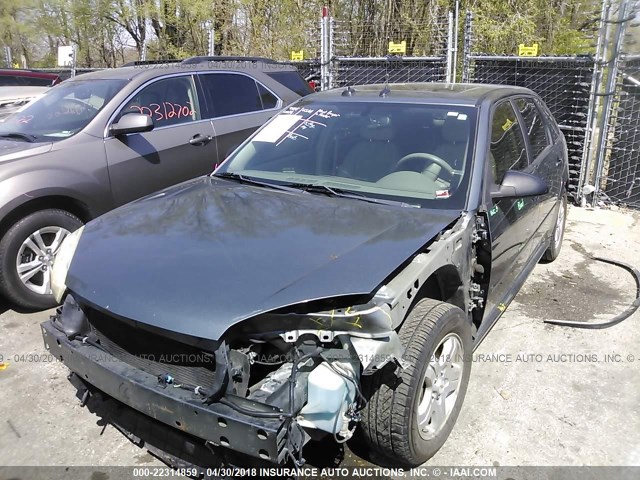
column 110, row 32
column 559, row 27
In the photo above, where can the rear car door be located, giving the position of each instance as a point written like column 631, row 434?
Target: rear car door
column 237, row 105
column 511, row 220
column 546, row 161
column 179, row 147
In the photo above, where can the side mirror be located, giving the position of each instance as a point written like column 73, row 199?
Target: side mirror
column 517, row 184
column 132, row 123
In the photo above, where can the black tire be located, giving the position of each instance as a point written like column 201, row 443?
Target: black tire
column 10, row 284
column 389, row 422
column 554, row 246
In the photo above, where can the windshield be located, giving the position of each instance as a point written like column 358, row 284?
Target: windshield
column 413, row 153
column 63, row 111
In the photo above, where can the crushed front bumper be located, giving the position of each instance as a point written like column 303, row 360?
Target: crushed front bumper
column 263, row 438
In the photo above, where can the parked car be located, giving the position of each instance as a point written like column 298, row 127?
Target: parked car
column 28, row 78
column 13, row 99
column 102, row 139
column 333, row 275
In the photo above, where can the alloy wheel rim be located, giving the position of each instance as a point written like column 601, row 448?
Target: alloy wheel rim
column 35, row 258
column 440, row 386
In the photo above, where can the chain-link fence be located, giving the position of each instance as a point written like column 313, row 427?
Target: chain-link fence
column 615, row 174
column 620, row 176
column 563, row 83
column 400, row 51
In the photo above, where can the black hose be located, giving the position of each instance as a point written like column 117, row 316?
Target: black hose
column 249, row 411
column 618, row 318
column 292, row 377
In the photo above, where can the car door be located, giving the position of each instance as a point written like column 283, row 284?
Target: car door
column 546, row 162
column 237, row 105
column 179, row 147
column 510, row 219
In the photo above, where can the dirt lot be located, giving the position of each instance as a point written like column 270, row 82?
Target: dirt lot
column 539, row 394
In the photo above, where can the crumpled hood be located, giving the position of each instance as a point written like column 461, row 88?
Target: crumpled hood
column 209, row 253
column 12, row 149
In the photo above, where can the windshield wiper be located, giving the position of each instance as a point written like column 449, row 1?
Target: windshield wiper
column 22, row 136
column 338, row 192
column 251, row 181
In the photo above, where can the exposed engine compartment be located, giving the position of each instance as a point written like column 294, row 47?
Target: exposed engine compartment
column 309, row 381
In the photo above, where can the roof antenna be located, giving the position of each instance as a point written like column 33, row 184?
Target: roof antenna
column 348, row 92
column 385, row 91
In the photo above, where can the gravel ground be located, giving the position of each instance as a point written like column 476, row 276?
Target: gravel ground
column 538, row 395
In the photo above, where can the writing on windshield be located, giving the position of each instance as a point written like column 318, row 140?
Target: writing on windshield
column 292, row 124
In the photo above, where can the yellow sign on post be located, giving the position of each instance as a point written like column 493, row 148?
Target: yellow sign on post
column 532, row 51
column 398, row 47
column 297, row 55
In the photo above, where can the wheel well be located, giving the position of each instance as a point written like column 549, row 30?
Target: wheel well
column 68, row 204
column 444, row 284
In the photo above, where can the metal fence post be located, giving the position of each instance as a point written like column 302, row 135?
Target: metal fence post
column 450, row 66
column 74, row 60
column 325, row 57
column 455, row 42
column 609, row 93
column 7, row 57
column 594, row 104
column 468, row 31
column 330, row 55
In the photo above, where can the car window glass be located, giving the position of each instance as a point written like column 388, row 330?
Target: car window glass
column 171, row 101
column 63, row 110
column 366, row 147
column 36, row 82
column 231, row 93
column 507, row 151
column 534, row 125
column 293, row 81
column 10, row 81
column 269, row 100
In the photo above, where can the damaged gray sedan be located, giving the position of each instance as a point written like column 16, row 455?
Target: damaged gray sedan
column 331, row 278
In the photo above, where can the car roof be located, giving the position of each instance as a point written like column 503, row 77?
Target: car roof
column 470, row 94
column 28, row 73
column 146, row 71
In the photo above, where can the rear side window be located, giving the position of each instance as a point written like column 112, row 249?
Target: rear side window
column 507, row 150
column 231, row 94
column 293, row 81
column 10, row 81
column 534, row 124
column 36, row 82
column 269, row 100
column 24, row 81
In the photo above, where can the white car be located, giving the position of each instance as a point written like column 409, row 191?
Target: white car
column 14, row 98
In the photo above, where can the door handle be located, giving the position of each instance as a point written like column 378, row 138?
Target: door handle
column 199, row 140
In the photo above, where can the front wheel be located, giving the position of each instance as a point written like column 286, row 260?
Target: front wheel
column 558, row 232
column 27, row 252
column 411, row 413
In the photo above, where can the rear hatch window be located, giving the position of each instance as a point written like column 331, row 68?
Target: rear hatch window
column 293, row 81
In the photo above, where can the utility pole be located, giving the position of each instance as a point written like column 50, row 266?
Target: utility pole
column 211, row 38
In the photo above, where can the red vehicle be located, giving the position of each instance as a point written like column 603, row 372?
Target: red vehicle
column 27, row 78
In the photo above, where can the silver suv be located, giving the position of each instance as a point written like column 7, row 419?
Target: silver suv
column 103, row 139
